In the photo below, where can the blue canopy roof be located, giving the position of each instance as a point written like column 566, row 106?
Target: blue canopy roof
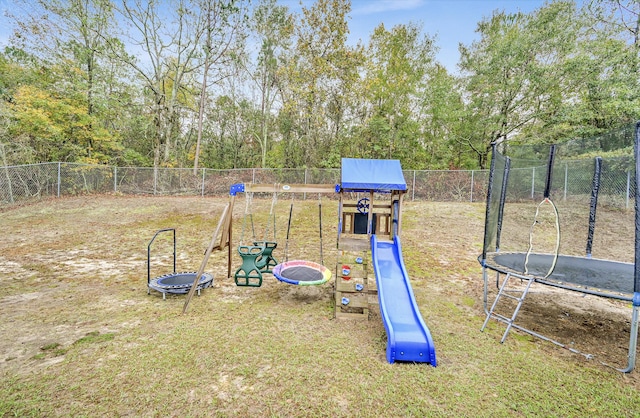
column 376, row 175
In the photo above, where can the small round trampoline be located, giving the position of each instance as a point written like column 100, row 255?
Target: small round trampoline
column 302, row 273
column 612, row 279
column 180, row 283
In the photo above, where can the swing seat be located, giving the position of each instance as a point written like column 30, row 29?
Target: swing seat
column 248, row 274
column 265, row 262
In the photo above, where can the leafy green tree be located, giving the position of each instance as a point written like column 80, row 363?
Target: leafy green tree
column 444, row 126
column 168, row 40
column 232, row 143
column 16, row 69
column 520, row 72
column 68, row 38
column 320, row 71
column 272, row 27
column 57, row 129
column 612, row 95
column 397, row 75
column 179, row 41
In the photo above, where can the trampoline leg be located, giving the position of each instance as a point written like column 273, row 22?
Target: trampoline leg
column 633, row 341
column 485, row 295
column 490, row 312
column 485, row 291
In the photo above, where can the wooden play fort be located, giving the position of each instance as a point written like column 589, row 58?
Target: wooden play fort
column 369, row 269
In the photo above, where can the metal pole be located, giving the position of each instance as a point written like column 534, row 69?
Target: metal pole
column 58, row 179
column 304, row 195
column 487, row 213
column 503, row 199
column 6, row 172
column 626, row 204
column 593, row 206
column 115, row 179
column 533, row 182
column 548, row 182
column 566, row 176
column 149, row 253
column 413, row 187
column 633, row 340
column 471, row 186
column 203, row 171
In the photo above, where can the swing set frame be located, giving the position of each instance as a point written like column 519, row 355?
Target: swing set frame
column 381, row 219
column 250, row 188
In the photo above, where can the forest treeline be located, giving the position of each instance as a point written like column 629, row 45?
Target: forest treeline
column 232, row 84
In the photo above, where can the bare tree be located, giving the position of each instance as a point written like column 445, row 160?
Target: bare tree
column 166, row 37
column 222, row 29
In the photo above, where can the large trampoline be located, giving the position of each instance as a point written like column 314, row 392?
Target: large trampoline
column 510, row 248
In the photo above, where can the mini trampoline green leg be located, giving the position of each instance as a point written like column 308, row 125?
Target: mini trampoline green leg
column 249, row 274
column 266, row 261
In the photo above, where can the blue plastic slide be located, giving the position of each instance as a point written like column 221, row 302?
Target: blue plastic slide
column 408, row 338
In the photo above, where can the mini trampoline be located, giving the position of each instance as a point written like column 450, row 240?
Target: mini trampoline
column 302, row 273
column 177, row 283
column 180, row 283
column 513, row 182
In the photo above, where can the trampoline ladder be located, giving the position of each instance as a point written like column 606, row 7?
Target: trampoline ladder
column 503, row 291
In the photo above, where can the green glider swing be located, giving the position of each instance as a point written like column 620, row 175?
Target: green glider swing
column 256, row 258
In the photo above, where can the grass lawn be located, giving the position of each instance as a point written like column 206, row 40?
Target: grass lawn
column 81, row 336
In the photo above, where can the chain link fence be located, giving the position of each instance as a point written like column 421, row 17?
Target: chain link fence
column 19, row 184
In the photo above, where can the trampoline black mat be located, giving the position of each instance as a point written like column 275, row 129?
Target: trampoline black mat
column 180, row 282
column 576, row 273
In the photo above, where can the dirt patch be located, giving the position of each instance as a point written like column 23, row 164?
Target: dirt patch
column 305, row 294
column 597, row 327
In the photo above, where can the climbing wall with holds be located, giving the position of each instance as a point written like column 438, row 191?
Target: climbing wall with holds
column 355, row 288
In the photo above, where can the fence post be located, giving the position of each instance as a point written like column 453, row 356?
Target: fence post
column 203, row 171
column 6, row 172
column 626, row 202
column 566, row 177
column 58, row 178
column 115, row 179
column 472, row 175
column 413, row 187
column 304, row 195
column 155, row 179
column 533, row 182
